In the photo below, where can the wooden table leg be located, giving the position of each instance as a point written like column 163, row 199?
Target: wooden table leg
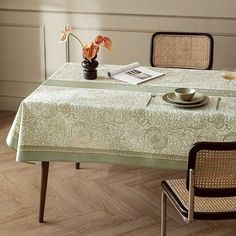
column 77, row 165
column 44, row 181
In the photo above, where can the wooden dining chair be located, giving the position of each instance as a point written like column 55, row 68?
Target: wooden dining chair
column 209, row 191
column 182, row 50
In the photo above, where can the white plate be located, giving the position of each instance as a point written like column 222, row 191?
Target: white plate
column 201, row 103
column 196, row 98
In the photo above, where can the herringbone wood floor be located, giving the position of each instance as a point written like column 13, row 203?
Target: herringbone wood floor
column 98, row 199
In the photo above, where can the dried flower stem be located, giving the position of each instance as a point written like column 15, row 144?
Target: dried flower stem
column 77, row 39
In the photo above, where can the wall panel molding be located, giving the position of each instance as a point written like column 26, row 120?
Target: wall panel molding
column 193, row 8
column 22, row 62
column 24, row 40
column 133, row 30
column 17, row 88
column 120, row 14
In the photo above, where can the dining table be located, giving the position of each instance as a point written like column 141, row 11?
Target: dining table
column 70, row 119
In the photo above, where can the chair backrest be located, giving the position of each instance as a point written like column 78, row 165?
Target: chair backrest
column 182, row 50
column 214, row 165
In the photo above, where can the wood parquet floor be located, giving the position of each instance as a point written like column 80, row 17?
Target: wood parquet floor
column 97, row 200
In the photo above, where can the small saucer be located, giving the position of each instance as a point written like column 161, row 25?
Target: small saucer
column 196, row 98
column 198, row 104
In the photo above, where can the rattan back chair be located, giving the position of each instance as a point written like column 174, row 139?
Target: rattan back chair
column 182, row 50
column 209, row 191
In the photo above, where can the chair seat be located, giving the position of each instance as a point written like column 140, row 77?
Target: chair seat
column 205, row 208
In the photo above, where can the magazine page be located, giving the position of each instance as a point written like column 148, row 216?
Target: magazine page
column 123, row 69
column 134, row 74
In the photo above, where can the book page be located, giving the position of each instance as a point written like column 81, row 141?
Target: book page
column 123, row 69
column 134, row 74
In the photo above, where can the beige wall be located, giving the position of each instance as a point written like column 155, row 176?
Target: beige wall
column 30, row 30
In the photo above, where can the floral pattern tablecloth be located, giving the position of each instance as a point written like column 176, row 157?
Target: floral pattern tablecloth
column 70, row 119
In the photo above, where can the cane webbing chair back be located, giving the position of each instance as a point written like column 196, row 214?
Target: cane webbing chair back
column 214, row 166
column 182, row 50
column 209, row 191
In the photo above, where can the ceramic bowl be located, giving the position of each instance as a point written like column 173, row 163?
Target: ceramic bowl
column 184, row 94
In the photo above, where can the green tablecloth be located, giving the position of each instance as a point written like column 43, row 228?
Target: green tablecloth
column 105, row 120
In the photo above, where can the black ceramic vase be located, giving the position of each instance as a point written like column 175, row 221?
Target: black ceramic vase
column 90, row 71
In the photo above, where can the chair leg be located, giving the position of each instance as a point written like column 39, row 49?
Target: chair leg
column 44, row 181
column 77, row 165
column 163, row 214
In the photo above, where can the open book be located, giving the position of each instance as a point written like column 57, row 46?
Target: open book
column 134, row 73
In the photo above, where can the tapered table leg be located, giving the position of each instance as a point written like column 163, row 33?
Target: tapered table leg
column 77, row 165
column 44, row 181
column 163, row 214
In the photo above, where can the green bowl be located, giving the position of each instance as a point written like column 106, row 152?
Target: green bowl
column 184, row 94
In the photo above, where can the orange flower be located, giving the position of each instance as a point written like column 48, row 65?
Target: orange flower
column 104, row 41
column 99, row 39
column 107, row 43
column 66, row 33
column 90, row 50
